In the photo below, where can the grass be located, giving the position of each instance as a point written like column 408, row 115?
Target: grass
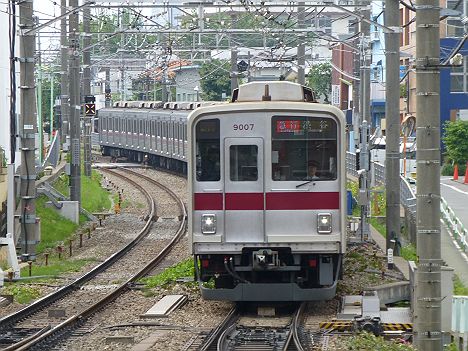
column 55, row 267
column 459, row 287
column 367, row 341
column 21, row 293
column 171, row 274
column 54, row 228
column 93, row 197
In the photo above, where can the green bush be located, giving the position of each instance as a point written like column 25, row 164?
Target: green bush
column 171, row 274
column 21, row 293
column 366, row 341
column 447, row 169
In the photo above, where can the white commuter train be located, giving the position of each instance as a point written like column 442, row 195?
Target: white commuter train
column 261, row 228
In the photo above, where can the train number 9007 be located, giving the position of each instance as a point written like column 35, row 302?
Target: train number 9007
column 245, row 126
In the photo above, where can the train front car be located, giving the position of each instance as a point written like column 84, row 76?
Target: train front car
column 267, row 179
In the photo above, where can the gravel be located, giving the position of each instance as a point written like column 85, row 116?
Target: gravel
column 185, row 324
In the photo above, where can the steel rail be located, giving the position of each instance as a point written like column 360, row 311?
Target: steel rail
column 71, row 322
column 79, row 319
column 215, row 335
column 10, row 320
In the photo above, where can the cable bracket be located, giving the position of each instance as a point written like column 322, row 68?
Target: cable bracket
column 25, row 59
column 427, row 93
column 428, row 231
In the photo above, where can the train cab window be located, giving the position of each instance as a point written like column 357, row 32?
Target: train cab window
column 243, row 163
column 208, row 155
column 304, row 148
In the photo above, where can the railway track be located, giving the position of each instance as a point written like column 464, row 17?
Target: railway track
column 41, row 324
column 240, row 331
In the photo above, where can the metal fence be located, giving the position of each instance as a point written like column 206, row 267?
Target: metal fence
column 454, row 225
column 407, row 196
column 53, row 156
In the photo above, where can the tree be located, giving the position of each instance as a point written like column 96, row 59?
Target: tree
column 319, row 79
column 456, row 141
column 215, row 80
column 46, row 82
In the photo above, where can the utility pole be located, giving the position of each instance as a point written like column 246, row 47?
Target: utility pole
column 234, row 73
column 392, row 118
column 301, row 45
column 356, row 87
column 364, row 161
column 427, row 319
column 75, row 107
column 40, row 128
column 51, row 109
column 64, row 98
column 108, row 88
column 29, row 232
column 87, row 119
column 365, row 67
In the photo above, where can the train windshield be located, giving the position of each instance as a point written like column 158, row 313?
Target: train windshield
column 303, row 148
column 207, row 151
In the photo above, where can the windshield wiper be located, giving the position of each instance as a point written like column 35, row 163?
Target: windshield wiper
column 309, row 181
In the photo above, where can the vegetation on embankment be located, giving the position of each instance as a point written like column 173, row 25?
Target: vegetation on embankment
column 93, row 197
column 377, row 220
column 56, row 231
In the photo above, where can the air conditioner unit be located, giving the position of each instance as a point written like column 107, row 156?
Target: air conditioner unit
column 375, row 36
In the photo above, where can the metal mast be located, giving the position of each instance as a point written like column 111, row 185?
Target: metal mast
column 428, row 276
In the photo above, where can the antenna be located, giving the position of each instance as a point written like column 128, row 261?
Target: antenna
column 267, row 96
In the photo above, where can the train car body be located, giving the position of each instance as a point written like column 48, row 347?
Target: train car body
column 261, row 228
column 156, row 133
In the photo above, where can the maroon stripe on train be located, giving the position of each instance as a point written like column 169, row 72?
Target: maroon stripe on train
column 206, row 201
column 244, row 201
column 274, row 201
column 303, row 201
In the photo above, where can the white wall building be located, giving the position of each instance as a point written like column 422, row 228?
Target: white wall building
column 4, row 82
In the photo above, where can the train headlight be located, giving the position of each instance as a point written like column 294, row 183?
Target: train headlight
column 324, row 223
column 208, row 224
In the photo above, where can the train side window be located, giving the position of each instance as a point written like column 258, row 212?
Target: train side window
column 243, row 163
column 208, row 157
column 304, row 148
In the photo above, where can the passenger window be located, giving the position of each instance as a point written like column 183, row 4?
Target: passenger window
column 303, row 148
column 243, row 163
column 207, row 157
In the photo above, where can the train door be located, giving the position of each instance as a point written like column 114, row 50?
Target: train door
column 244, row 190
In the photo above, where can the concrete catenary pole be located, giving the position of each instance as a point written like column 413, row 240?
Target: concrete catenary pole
column 392, row 117
column 301, row 44
column 427, row 318
column 86, row 91
column 356, row 88
column 365, row 66
column 75, row 108
column 27, row 131
column 40, row 128
column 108, row 87
column 64, row 97
column 234, row 73
column 364, row 160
